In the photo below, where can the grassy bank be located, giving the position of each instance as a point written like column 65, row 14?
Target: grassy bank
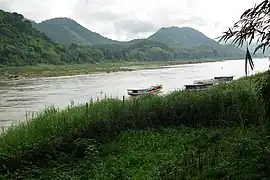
column 171, row 153
column 215, row 134
column 44, row 70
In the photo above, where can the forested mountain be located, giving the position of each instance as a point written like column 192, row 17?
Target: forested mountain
column 186, row 42
column 21, row 44
column 190, row 40
column 182, row 37
column 66, row 31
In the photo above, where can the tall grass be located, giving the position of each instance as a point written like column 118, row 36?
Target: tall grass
column 54, row 130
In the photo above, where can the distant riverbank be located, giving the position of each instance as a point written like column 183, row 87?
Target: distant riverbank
column 45, row 70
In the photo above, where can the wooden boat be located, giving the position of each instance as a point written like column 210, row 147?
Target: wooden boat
column 216, row 80
column 224, row 78
column 197, row 87
column 151, row 90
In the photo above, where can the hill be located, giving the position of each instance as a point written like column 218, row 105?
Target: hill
column 21, row 44
column 182, row 37
column 24, row 45
column 67, row 31
column 186, row 42
column 192, row 40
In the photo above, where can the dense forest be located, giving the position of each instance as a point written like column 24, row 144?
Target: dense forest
column 24, row 42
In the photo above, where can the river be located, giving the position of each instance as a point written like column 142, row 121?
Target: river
column 19, row 97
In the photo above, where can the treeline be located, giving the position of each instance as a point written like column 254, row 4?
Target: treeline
column 21, row 44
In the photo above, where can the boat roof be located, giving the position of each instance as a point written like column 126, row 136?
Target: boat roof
column 140, row 89
column 194, row 85
column 223, row 76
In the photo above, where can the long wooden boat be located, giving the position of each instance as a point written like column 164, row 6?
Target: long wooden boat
column 150, row 90
column 216, row 80
column 224, row 78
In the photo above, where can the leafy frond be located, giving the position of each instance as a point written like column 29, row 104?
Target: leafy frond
column 253, row 23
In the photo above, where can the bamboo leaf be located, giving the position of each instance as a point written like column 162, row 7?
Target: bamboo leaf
column 258, row 47
column 246, row 12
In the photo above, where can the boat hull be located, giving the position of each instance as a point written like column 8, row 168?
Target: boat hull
column 201, row 85
column 151, row 90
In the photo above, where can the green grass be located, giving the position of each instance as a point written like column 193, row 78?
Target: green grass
column 44, row 70
column 116, row 137
column 171, row 153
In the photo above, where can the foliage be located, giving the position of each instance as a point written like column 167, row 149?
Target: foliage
column 49, row 70
column 144, row 50
column 254, row 23
column 171, row 153
column 23, row 45
column 263, row 90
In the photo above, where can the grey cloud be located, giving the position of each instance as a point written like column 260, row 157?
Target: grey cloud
column 101, row 12
column 108, row 17
column 134, row 26
column 95, row 10
column 192, row 20
column 5, row 6
column 32, row 9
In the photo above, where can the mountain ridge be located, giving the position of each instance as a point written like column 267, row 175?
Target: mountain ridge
column 178, row 38
column 21, row 45
column 70, row 31
column 26, row 42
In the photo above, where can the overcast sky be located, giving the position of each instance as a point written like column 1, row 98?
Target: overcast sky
column 128, row 19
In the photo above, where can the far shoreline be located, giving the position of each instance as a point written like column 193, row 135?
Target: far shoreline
column 45, row 70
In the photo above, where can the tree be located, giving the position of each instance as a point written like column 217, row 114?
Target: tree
column 254, row 24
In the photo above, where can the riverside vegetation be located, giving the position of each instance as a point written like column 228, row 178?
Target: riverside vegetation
column 49, row 70
column 221, row 133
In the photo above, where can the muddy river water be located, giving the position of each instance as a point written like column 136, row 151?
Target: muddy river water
column 19, row 97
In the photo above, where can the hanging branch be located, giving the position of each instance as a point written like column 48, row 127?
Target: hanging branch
column 253, row 23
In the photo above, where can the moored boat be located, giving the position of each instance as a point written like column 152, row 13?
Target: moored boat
column 150, row 90
column 227, row 78
column 223, row 79
column 215, row 80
